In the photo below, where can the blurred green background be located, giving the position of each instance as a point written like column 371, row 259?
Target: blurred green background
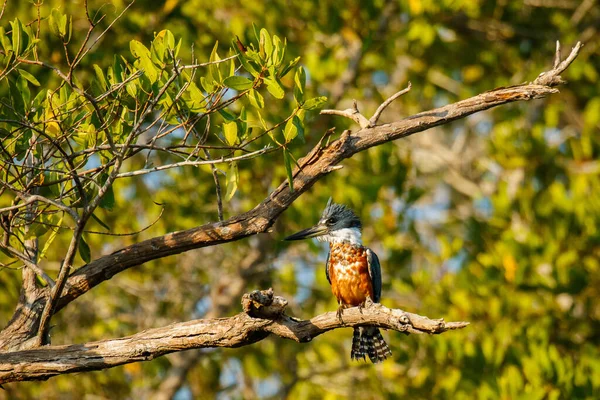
column 492, row 219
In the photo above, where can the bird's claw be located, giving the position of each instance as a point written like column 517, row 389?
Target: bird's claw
column 339, row 312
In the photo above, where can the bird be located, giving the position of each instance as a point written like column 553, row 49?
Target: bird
column 354, row 273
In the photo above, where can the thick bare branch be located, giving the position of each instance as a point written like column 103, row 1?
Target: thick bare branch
column 265, row 316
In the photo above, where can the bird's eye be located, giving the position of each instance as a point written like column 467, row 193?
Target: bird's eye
column 331, row 221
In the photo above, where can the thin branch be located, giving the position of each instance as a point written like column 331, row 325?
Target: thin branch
column 552, row 78
column 33, row 198
column 57, row 289
column 266, row 149
column 264, row 316
column 360, row 119
column 351, row 113
column 383, row 106
column 206, row 64
column 29, row 264
column 217, row 188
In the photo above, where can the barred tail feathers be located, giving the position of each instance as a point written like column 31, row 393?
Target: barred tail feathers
column 368, row 341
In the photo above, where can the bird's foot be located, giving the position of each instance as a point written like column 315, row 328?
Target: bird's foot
column 339, row 313
column 368, row 302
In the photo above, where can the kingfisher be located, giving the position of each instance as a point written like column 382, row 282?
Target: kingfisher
column 354, row 273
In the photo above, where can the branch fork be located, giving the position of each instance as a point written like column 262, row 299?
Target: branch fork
column 552, row 77
column 360, row 119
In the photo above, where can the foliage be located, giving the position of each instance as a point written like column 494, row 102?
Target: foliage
column 492, row 220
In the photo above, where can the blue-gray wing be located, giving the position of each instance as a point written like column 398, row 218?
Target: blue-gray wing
column 375, row 273
column 327, row 269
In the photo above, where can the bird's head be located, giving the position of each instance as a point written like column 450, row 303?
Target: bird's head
column 338, row 223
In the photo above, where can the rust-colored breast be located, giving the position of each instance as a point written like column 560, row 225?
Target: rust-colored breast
column 349, row 274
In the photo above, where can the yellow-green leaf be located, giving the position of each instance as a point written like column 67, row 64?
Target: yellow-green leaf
column 231, row 132
column 238, row 82
column 29, row 77
column 274, row 87
column 232, row 181
column 314, row 103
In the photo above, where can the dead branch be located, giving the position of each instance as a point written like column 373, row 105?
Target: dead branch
column 264, row 315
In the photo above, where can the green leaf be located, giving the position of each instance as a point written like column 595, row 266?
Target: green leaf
column 227, row 115
column 29, row 77
column 256, row 99
column 100, row 77
column 16, row 96
column 314, row 103
column 230, row 130
column 84, row 251
column 300, row 85
column 248, row 65
column 287, row 160
column 243, row 124
column 6, row 44
column 138, row 50
column 289, row 67
column 197, row 101
column 278, row 50
column 108, row 200
column 238, row 82
column 70, row 26
column 17, row 36
column 293, row 128
column 24, row 90
column 162, row 46
column 117, row 69
column 275, row 88
column 58, row 23
column 149, row 69
column 102, row 223
column 214, row 68
column 232, row 181
column 53, row 233
column 266, row 44
column 207, row 83
column 131, row 88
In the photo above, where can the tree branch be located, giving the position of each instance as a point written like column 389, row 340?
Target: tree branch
column 264, row 315
column 316, row 164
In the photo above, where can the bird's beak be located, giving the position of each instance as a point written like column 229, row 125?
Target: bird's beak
column 315, row 231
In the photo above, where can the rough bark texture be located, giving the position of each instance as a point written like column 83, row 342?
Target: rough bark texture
column 264, row 315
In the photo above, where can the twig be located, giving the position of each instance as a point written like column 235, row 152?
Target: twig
column 29, row 264
column 360, row 119
column 351, row 113
column 383, row 106
column 33, row 198
column 217, row 188
column 248, row 156
column 192, row 66
column 552, row 78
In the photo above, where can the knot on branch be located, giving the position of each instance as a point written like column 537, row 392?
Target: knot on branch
column 263, row 304
column 552, row 77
